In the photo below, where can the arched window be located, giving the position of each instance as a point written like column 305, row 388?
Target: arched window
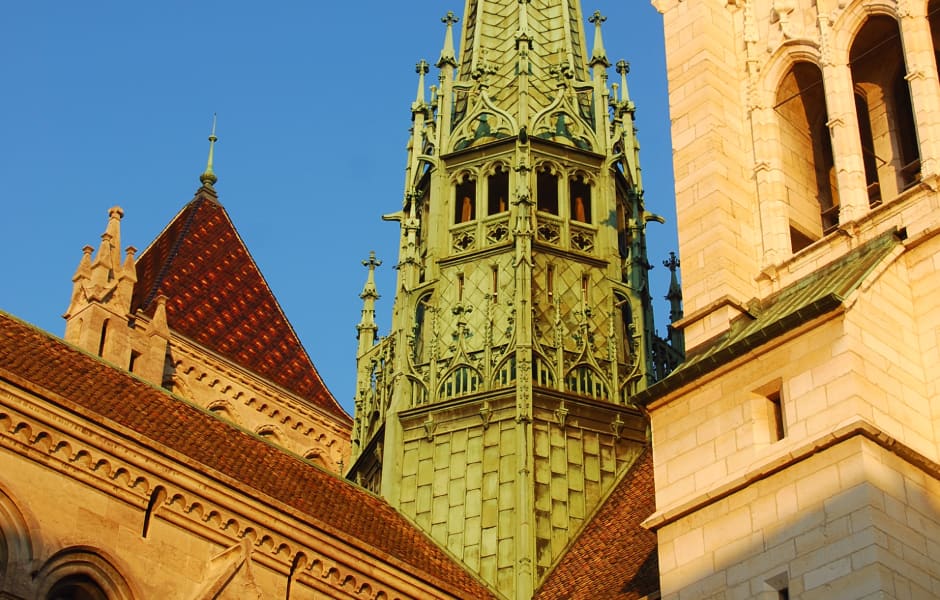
column 546, row 191
column 579, row 194
column 76, row 587
column 466, row 196
column 878, row 73
column 81, row 573
column 104, row 338
column 420, row 328
column 626, row 329
column 808, row 168
column 497, row 191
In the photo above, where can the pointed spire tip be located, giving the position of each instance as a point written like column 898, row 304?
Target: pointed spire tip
column 208, row 177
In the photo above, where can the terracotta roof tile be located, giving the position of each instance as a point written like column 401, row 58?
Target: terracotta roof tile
column 218, row 298
column 46, row 366
column 614, row 556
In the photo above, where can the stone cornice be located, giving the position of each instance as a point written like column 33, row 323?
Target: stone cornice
column 787, row 457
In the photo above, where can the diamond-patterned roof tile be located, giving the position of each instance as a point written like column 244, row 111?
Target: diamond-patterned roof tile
column 218, row 298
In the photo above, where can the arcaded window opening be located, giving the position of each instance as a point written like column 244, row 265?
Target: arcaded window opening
column 103, row 340
column 546, row 191
column 579, row 194
column 806, row 155
column 465, row 206
column 878, row 74
column 420, row 330
column 497, row 191
column 76, row 587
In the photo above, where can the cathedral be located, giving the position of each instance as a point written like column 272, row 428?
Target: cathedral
column 522, row 430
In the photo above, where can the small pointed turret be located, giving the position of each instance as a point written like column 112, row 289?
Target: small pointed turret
column 598, row 55
column 421, row 69
column 448, row 55
column 676, row 339
column 367, row 327
column 623, row 67
column 208, row 177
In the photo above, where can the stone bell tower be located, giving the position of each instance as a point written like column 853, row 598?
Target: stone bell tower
column 497, row 413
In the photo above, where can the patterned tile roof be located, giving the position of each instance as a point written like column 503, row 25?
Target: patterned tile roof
column 614, row 556
column 48, row 367
column 218, row 298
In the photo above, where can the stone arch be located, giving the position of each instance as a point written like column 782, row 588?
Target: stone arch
column 877, row 62
column 270, row 432
column 84, row 572
column 805, row 154
column 16, row 545
column 585, row 380
column 224, row 409
column 460, row 380
column 850, row 21
column 317, row 456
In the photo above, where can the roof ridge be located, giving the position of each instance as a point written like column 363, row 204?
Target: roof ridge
column 174, row 251
column 92, row 389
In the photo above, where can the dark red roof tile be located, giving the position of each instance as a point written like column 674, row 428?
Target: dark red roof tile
column 46, row 366
column 218, row 298
column 614, row 556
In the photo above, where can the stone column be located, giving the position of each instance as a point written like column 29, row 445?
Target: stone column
column 843, row 131
column 922, row 76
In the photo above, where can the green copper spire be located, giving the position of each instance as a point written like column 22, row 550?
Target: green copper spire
column 208, row 177
column 522, row 324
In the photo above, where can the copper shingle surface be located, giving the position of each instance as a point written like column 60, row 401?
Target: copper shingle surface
column 47, row 367
column 614, row 556
column 218, row 298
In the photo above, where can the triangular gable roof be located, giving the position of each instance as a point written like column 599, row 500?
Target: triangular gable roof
column 85, row 385
column 217, row 297
column 614, row 556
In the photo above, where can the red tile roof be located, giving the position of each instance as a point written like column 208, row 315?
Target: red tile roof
column 614, row 556
column 47, row 367
column 218, row 298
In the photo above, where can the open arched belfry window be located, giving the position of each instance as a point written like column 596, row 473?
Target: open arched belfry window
column 806, row 155
column 466, row 199
column 546, row 191
column 883, row 100
column 497, row 191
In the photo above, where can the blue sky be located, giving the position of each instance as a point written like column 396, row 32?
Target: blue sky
column 110, row 102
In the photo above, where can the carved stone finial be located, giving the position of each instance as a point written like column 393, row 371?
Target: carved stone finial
column 598, row 55
column 672, row 263
column 448, row 56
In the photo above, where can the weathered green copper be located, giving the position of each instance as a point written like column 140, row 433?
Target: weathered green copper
column 498, row 411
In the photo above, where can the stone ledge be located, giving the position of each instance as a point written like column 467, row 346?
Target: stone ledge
column 780, row 461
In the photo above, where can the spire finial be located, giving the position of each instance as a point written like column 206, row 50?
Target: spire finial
column 598, row 55
column 421, row 69
column 623, row 67
column 208, row 177
column 448, row 56
column 369, row 291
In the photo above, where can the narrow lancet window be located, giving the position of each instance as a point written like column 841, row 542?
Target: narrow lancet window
column 580, row 195
column 547, row 192
column 497, row 191
column 465, row 206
